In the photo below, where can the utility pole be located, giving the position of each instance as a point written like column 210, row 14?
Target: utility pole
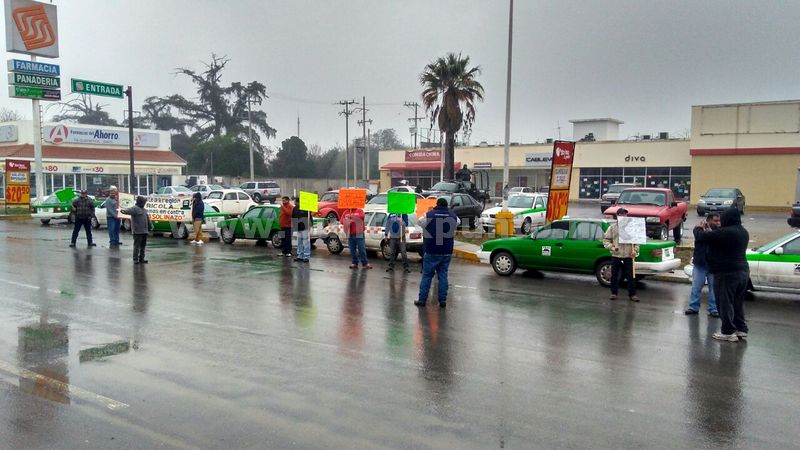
column 250, row 138
column 414, row 119
column 346, row 113
column 508, row 99
column 298, row 124
column 363, row 122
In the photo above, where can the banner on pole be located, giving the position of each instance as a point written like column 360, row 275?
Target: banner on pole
column 309, row 201
column 352, row 198
column 560, row 177
column 401, row 202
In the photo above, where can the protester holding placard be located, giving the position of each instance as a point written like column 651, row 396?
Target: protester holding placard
column 439, row 226
column 623, row 256
column 140, row 227
column 353, row 223
column 285, row 221
column 395, row 231
column 302, row 222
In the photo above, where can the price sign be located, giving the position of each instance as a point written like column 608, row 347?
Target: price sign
column 18, row 182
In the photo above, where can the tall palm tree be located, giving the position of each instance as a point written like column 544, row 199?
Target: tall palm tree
column 449, row 88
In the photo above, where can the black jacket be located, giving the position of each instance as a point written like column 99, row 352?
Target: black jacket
column 300, row 217
column 700, row 255
column 198, row 207
column 727, row 245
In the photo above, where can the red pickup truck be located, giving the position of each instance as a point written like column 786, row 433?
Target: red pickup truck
column 659, row 208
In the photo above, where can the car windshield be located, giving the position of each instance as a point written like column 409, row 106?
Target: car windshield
column 214, row 187
column 214, row 195
column 720, row 193
column 271, row 185
column 380, row 199
column 520, row 201
column 445, row 186
column 50, row 199
column 516, row 189
column 617, row 188
column 181, row 189
column 768, row 246
column 642, row 198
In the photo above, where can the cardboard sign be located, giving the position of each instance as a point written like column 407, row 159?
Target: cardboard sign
column 309, row 201
column 632, row 230
column 65, row 195
column 424, row 205
column 352, row 198
column 401, row 202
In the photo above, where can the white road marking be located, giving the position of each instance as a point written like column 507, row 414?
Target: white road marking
column 30, row 286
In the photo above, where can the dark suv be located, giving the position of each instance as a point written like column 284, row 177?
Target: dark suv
column 262, row 190
column 612, row 194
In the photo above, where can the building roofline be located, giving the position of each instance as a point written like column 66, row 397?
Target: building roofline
column 601, row 119
column 768, row 102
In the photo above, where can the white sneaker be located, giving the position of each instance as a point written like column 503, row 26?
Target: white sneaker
column 194, row 242
column 200, row 242
column 725, row 337
column 741, row 334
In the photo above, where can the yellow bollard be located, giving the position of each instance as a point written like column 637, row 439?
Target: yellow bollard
column 504, row 224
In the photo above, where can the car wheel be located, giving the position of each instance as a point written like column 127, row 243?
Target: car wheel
column 227, row 235
column 277, row 239
column 386, row 251
column 215, row 208
column 95, row 223
column 334, row 245
column 45, row 221
column 126, row 225
column 182, row 232
column 677, row 232
column 663, row 233
column 332, row 217
column 257, row 197
column 526, row 227
column 71, row 218
column 504, row 263
column 602, row 272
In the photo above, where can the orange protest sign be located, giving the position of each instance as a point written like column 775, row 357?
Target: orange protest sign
column 352, row 198
column 424, row 205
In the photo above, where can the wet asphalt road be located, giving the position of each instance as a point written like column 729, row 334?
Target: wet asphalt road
column 233, row 347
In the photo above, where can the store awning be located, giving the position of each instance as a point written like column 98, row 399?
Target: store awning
column 62, row 153
column 427, row 165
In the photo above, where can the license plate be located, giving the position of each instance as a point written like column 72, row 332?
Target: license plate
column 47, row 210
column 668, row 253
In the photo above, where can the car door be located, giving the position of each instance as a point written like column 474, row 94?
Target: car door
column 244, row 201
column 230, row 203
column 546, row 249
column 248, row 226
column 269, row 221
column 458, row 206
column 540, row 210
column 374, row 233
column 584, row 245
column 781, row 270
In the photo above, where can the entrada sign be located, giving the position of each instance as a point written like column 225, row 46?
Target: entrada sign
column 96, row 88
column 31, row 28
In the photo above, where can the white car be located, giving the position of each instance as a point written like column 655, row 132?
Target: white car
column 204, row 189
column 529, row 212
column 409, row 189
column 174, row 191
column 774, row 266
column 230, row 201
column 374, row 235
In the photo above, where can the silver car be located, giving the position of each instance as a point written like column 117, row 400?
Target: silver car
column 262, row 190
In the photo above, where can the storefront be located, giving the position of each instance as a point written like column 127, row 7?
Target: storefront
column 93, row 158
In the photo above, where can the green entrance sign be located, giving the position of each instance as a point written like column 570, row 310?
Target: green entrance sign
column 26, row 79
column 96, row 88
column 31, row 92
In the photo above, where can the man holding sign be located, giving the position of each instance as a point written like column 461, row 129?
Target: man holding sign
column 399, row 206
column 622, row 239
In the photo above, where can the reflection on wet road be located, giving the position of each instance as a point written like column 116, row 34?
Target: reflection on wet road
column 229, row 346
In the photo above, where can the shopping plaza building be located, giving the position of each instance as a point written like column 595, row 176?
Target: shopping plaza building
column 752, row 146
column 92, row 157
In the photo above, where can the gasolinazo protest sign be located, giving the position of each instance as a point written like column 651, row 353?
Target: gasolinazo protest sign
column 18, row 182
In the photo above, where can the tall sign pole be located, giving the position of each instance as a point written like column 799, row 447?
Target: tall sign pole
column 37, row 145
column 129, row 93
column 508, row 100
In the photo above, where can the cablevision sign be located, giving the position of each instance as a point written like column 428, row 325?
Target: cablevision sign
column 67, row 134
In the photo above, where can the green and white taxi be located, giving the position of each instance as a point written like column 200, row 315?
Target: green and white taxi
column 261, row 224
column 775, row 266
column 573, row 245
column 529, row 212
column 58, row 206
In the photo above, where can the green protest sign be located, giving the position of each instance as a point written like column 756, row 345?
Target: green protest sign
column 401, row 202
column 65, row 195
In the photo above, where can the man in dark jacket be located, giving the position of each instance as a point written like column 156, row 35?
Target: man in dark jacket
column 140, row 227
column 700, row 272
column 439, row 226
column 198, row 214
column 83, row 207
column 727, row 249
column 302, row 223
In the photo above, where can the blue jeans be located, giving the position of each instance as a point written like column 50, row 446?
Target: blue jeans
column 431, row 264
column 358, row 250
column 303, row 245
column 113, row 229
column 699, row 276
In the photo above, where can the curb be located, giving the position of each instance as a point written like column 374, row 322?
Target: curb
column 463, row 254
column 16, row 218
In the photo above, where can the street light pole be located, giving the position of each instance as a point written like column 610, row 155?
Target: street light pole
column 508, row 97
column 250, row 138
column 129, row 93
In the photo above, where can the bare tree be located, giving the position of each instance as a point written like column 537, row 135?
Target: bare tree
column 9, row 115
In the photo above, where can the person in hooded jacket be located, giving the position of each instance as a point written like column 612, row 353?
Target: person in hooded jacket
column 140, row 227
column 701, row 274
column 727, row 250
column 198, row 214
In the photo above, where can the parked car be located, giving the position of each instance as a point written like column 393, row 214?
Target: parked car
column 520, row 190
column 410, row 189
column 461, row 187
column 174, row 191
column 328, row 206
column 230, row 201
column 659, row 208
column 612, row 194
column 718, row 199
column 794, row 216
column 374, row 235
column 529, row 212
column 572, row 245
column 774, row 266
column 465, row 207
column 261, row 224
column 380, row 201
column 204, row 189
column 262, row 190
column 51, row 208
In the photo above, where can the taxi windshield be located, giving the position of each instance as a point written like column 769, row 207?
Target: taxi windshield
column 520, row 201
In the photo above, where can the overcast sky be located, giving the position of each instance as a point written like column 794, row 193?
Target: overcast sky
column 643, row 62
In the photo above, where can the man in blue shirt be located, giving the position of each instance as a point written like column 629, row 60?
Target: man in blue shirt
column 439, row 226
column 395, row 230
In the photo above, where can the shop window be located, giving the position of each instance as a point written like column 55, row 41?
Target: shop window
column 658, row 171
column 609, row 181
column 609, row 171
column 590, row 171
column 637, row 171
column 686, row 171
